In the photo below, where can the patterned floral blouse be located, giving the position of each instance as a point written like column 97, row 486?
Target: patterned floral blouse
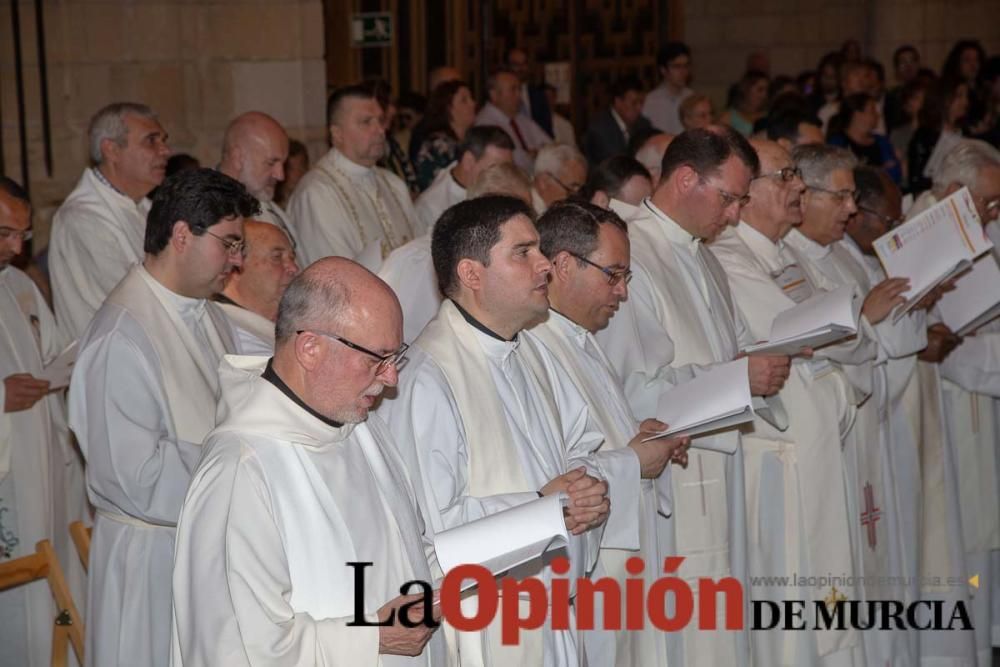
column 435, row 153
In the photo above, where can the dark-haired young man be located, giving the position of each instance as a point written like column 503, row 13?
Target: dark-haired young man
column 610, row 131
column 345, row 205
column 663, row 102
column 680, row 318
column 142, row 399
column 791, row 128
column 487, row 419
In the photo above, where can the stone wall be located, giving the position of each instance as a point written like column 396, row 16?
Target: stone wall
column 796, row 33
column 197, row 64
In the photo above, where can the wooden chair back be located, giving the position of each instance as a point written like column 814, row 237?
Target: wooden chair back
column 81, row 539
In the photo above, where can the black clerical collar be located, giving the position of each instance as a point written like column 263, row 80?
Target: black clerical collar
column 222, row 298
column 479, row 325
column 272, row 376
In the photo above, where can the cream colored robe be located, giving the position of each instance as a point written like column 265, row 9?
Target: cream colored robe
column 97, row 235
column 796, row 493
column 344, row 209
column 409, row 271
column 141, row 401
column 679, row 319
column 442, row 194
column 279, row 503
column 41, row 474
column 254, row 332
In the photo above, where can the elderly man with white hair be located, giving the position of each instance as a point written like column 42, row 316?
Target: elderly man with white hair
column 560, row 172
column 970, row 387
column 97, row 233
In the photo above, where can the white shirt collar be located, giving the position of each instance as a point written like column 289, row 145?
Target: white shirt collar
column 350, row 167
column 618, row 119
column 674, row 232
column 764, row 248
column 186, row 306
column 568, row 327
column 812, row 249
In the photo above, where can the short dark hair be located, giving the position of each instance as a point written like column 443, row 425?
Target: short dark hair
column 573, row 226
column 469, row 230
column 491, row 80
column 296, row 148
column 898, row 53
column 786, row 125
column 611, row 175
column 477, row 139
column 623, row 84
column 14, row 189
column 357, row 91
column 179, row 162
column 671, row 50
column 870, row 185
column 201, row 198
column 705, row 150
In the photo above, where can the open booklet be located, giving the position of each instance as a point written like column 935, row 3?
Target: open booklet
column 717, row 400
column 823, row 318
column 60, row 369
column 502, row 541
column 975, row 299
column 932, row 247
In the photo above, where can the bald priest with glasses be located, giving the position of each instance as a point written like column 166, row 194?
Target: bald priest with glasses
column 142, row 400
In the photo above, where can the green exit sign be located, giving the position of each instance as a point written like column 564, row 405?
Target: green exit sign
column 371, row 29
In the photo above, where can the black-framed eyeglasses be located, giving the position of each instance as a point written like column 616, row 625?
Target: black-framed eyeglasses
column 889, row 221
column 728, row 198
column 234, row 248
column 395, row 359
column 569, row 190
column 8, row 233
column 840, row 195
column 786, row 174
column 614, row 277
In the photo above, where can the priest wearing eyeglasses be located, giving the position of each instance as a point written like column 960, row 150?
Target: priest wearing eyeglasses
column 298, row 480
column 141, row 401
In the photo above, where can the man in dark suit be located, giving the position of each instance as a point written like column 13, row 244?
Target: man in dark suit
column 534, row 103
column 610, row 130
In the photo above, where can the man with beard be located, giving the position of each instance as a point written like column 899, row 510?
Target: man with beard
column 253, row 291
column 254, row 151
column 142, row 400
column 97, row 233
column 346, row 206
column 298, row 480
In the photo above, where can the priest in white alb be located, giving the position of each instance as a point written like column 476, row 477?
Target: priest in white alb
column 97, row 233
column 252, row 292
column 142, row 400
column 589, row 250
column 41, row 473
column 254, row 152
column 680, row 319
column 345, row 205
column 797, row 509
column 485, row 419
column 482, row 147
column 297, row 481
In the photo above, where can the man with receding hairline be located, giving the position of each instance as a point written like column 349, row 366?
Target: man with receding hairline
column 297, row 481
column 504, row 110
column 345, row 205
column 97, row 233
column 254, row 151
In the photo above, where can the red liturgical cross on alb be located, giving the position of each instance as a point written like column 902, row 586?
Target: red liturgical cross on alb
column 870, row 515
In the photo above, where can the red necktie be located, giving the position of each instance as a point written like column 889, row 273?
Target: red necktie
column 517, row 131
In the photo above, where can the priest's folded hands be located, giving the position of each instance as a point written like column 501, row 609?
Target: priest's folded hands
column 589, row 504
column 400, row 639
column 767, row 373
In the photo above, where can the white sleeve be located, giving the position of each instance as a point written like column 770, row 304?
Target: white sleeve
column 975, row 364
column 119, row 415
column 234, row 609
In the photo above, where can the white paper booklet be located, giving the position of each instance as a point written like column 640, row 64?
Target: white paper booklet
column 823, row 318
column 506, row 539
column 975, row 299
column 934, row 246
column 718, row 400
column 60, row 369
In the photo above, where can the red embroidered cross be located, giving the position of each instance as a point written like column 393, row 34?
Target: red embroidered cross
column 870, row 515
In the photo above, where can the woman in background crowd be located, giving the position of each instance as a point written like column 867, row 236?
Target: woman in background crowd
column 451, row 111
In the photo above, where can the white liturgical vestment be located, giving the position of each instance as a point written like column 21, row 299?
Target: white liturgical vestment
column 281, row 501
column 41, row 474
column 345, row 209
column 409, row 271
column 142, row 400
column 273, row 214
column 484, row 423
column 635, row 503
column 97, row 234
column 680, row 318
column 797, row 508
column 442, row 194
column 254, row 332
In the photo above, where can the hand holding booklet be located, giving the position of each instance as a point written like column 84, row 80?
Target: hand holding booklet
column 934, row 246
column 823, row 318
column 60, row 369
column 506, row 539
column 718, row 400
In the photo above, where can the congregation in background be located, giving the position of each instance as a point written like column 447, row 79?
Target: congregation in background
column 465, row 305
